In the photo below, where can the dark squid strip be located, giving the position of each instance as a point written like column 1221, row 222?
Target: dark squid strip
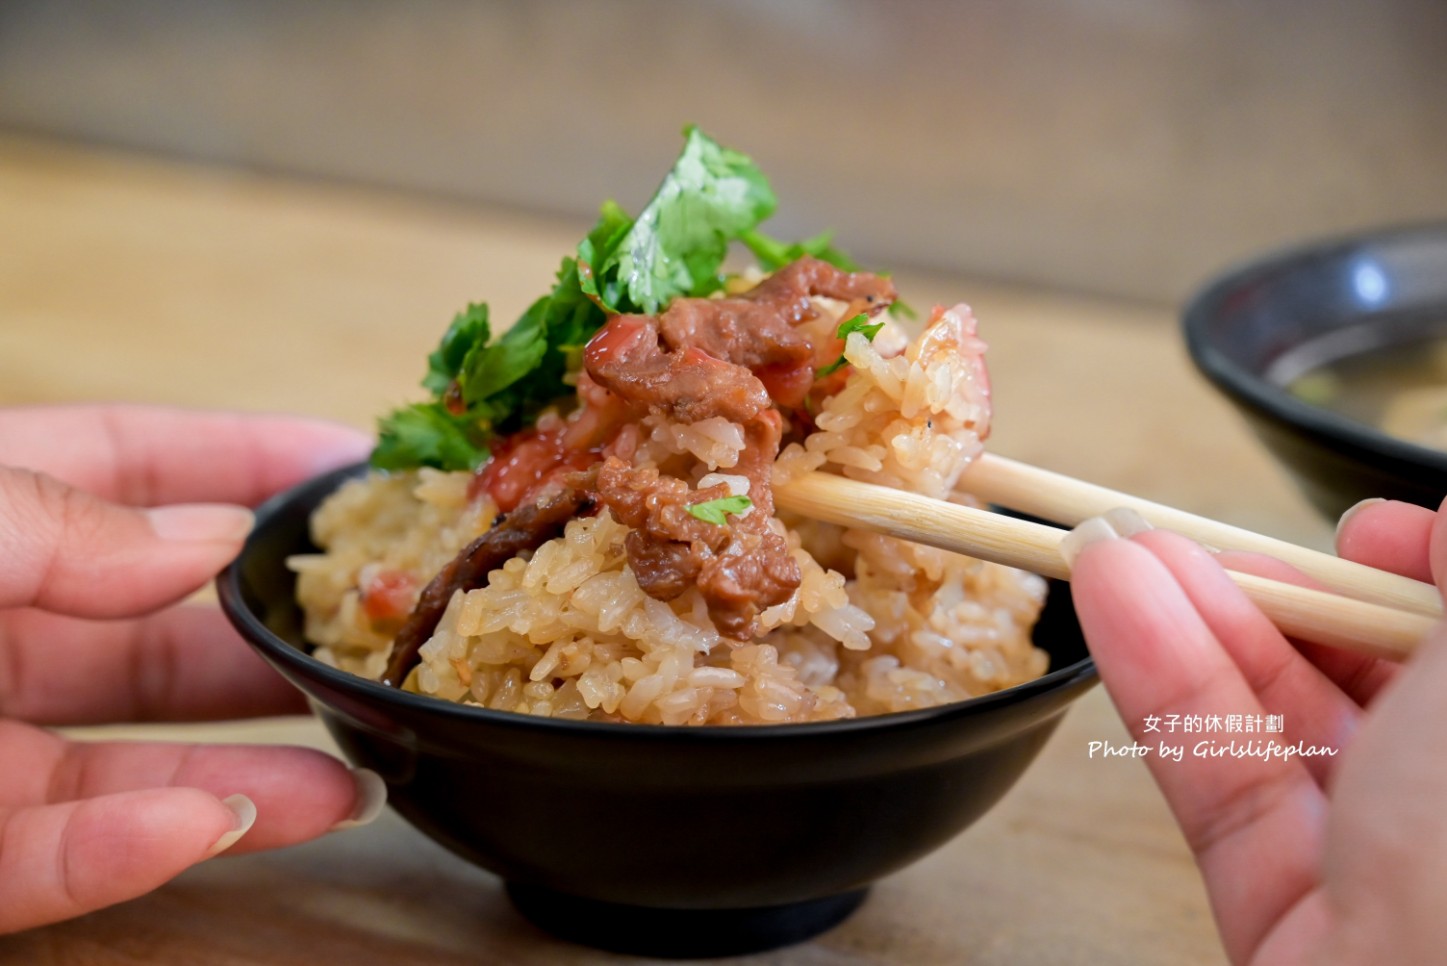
column 521, row 531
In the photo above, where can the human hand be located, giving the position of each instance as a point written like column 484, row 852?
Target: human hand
column 1320, row 859
column 102, row 533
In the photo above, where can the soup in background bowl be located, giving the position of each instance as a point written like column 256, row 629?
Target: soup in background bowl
column 1400, row 389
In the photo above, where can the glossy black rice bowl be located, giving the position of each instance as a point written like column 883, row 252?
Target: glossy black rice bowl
column 675, row 841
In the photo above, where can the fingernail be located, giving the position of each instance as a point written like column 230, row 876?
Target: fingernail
column 371, row 799
column 1127, row 522
column 200, row 522
column 342, row 452
column 1089, row 531
column 1352, row 511
column 245, row 811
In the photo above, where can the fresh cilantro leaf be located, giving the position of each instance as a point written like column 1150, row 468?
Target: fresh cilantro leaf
column 426, row 434
column 566, row 319
column 861, row 324
column 901, row 309
column 468, row 330
column 773, row 254
column 600, row 244
column 715, row 511
column 489, row 369
column 678, row 242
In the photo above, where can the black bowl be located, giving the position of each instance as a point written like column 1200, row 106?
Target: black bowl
column 674, row 841
column 1259, row 326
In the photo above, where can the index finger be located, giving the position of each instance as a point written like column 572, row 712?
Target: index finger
column 1358, row 676
column 152, row 455
column 1389, row 535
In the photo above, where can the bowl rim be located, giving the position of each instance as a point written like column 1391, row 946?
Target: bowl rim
column 1080, row 673
column 1273, row 400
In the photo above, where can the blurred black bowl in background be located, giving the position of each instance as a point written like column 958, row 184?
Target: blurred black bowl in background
column 1261, row 325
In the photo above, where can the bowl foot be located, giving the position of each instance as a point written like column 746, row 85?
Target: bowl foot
column 679, row 933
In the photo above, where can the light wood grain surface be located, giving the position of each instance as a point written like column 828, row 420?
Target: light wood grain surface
column 124, row 278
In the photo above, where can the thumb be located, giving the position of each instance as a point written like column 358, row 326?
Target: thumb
column 1387, row 840
column 1437, row 548
column 70, row 552
column 71, row 858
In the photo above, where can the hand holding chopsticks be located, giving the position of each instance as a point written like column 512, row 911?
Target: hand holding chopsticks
column 1390, row 630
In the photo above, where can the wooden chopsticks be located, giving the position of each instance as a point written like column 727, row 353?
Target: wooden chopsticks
column 1326, row 618
column 1067, row 501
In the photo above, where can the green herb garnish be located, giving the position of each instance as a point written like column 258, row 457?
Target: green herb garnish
column 861, row 324
column 482, row 387
column 773, row 254
column 426, row 434
column 712, row 196
column 715, row 511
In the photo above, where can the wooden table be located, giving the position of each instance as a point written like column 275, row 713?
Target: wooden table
column 128, row 278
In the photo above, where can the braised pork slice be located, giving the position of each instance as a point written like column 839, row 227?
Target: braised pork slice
column 739, row 568
column 757, row 330
column 627, row 358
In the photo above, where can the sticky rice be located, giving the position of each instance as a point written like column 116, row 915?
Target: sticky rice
column 876, row 624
